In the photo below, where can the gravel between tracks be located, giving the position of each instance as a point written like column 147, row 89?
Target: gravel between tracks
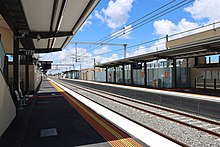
column 187, row 135
column 184, row 134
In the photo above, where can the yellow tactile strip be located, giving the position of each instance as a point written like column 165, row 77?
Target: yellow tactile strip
column 109, row 132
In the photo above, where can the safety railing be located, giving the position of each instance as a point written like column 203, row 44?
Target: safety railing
column 207, row 84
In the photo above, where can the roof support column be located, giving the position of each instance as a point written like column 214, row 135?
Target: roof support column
column 132, row 79
column 187, row 72
column 27, row 73
column 16, row 64
column 145, row 73
column 6, row 68
column 174, row 73
column 114, row 74
column 106, row 74
column 123, row 74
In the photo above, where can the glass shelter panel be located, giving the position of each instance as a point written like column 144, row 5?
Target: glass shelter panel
column 119, row 74
column 138, row 75
column 111, row 74
column 159, row 74
column 182, row 74
column 127, row 74
column 101, row 76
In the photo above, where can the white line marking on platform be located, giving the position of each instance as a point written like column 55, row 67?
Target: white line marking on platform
column 141, row 133
column 48, row 132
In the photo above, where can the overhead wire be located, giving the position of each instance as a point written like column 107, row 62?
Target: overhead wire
column 156, row 16
column 122, row 28
column 154, row 40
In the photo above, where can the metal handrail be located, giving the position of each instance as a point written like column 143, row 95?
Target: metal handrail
column 205, row 84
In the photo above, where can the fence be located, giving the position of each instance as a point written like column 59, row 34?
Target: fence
column 211, row 84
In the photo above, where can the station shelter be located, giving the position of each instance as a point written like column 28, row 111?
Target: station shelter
column 72, row 74
column 187, row 62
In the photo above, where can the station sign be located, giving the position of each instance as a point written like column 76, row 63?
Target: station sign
column 45, row 65
column 137, row 66
column 29, row 52
column 26, row 52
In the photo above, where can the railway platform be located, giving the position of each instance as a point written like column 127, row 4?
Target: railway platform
column 54, row 118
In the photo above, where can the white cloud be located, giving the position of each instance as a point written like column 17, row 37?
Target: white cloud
column 138, row 51
column 100, row 59
column 156, row 46
column 167, row 27
column 205, row 9
column 164, row 27
column 67, row 56
column 99, row 16
column 116, row 14
column 103, row 50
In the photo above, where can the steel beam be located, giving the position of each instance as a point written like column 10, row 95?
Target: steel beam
column 27, row 74
column 16, row 64
column 123, row 74
column 132, row 79
column 174, row 74
column 106, row 74
column 145, row 73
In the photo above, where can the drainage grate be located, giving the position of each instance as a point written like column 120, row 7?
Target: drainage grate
column 48, row 132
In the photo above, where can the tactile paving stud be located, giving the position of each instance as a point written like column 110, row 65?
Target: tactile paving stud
column 48, row 132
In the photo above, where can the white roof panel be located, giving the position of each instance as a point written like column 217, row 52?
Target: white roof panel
column 38, row 14
column 73, row 11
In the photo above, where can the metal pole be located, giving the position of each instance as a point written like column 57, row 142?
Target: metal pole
column 132, row 80
column 94, row 69
column 27, row 73
column 76, row 52
column 123, row 74
column 16, row 64
column 125, row 45
column 114, row 74
column 187, row 69
column 174, row 74
column 214, row 84
column 145, row 73
column 6, row 68
column 195, row 84
column 106, row 74
column 80, row 71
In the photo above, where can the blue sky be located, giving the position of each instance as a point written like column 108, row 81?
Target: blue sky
column 112, row 15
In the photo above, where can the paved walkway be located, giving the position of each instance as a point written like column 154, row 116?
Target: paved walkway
column 50, row 121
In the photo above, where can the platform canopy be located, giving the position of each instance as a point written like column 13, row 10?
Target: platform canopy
column 196, row 45
column 45, row 25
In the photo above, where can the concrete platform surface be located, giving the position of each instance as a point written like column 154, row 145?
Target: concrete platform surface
column 50, row 121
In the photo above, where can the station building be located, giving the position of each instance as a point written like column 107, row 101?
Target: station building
column 187, row 62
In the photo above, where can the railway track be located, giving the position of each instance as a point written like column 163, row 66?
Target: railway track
column 200, row 123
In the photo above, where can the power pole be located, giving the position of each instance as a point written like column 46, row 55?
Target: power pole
column 80, row 71
column 94, row 69
column 76, row 52
column 125, row 45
